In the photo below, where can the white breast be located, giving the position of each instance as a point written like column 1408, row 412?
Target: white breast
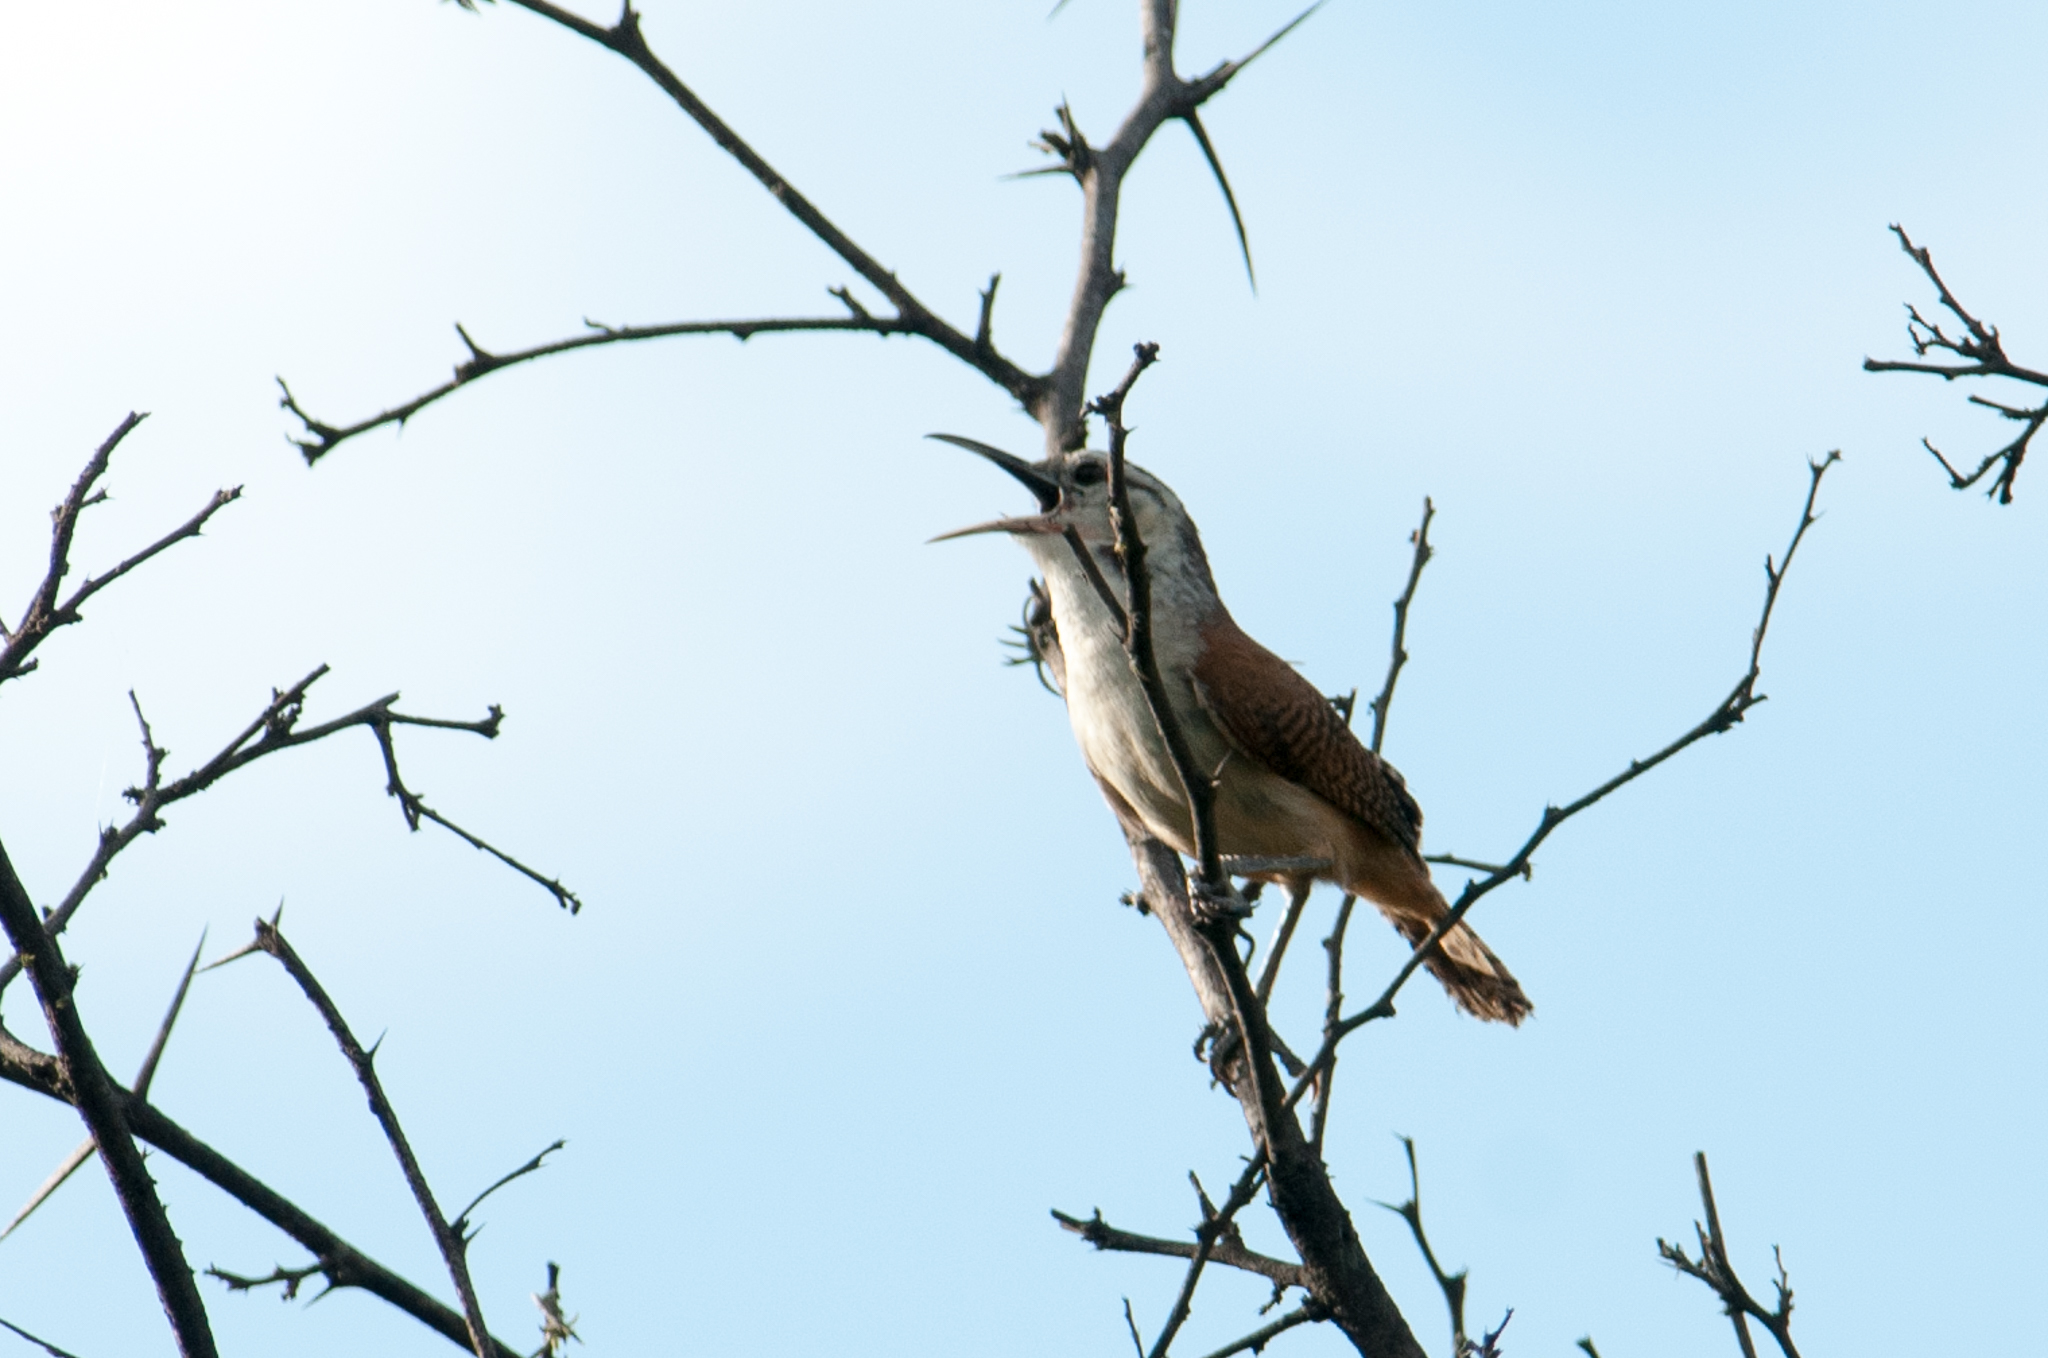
column 1113, row 723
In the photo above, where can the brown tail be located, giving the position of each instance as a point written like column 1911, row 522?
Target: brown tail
column 1480, row 982
column 1398, row 883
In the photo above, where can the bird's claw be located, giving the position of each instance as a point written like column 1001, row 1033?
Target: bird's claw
column 1214, row 907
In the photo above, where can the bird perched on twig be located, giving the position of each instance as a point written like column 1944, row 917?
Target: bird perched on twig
column 1291, row 780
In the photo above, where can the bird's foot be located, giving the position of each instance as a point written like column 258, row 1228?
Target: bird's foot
column 1215, row 907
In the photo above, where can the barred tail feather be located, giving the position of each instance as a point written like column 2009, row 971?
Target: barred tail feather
column 1477, row 980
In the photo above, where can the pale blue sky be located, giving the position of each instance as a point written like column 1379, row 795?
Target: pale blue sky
column 852, row 1002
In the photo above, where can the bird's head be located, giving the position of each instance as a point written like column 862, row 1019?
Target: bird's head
column 1073, row 494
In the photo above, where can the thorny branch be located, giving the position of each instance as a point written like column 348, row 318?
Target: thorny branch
column 85, row 1149
column 286, row 1280
column 1713, row 1269
column 1053, row 398
column 1335, row 1269
column 460, row 1223
column 1982, row 354
column 99, row 1104
column 342, row 1264
column 45, row 1345
column 447, row 1234
column 45, row 613
column 1488, row 1344
column 1130, row 551
column 1217, row 1225
column 1452, row 1285
column 320, row 438
column 1726, row 715
column 1399, row 657
column 276, row 728
column 1226, row 1249
column 1333, row 1013
column 1257, row 1340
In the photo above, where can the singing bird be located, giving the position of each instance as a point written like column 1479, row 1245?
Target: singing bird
column 1291, row 780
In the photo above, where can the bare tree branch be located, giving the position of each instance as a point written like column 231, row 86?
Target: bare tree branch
column 44, row 613
column 460, row 1225
column 1230, row 1253
column 1726, row 715
column 1217, row 1225
column 1488, row 1344
column 342, row 1263
column 912, row 316
column 1163, row 95
column 1203, row 922
column 320, row 438
column 1452, row 1285
column 1713, row 1269
column 1333, row 1012
column 1131, row 1324
column 1982, row 354
column 1055, row 398
column 99, row 1106
column 45, row 1345
column 454, row 1249
column 276, row 728
column 84, row 1150
column 1399, row 657
column 1257, row 1340
column 287, row 1281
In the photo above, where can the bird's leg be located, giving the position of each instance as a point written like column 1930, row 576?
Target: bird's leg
column 1297, row 897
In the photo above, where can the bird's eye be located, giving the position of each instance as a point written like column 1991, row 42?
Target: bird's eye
column 1089, row 474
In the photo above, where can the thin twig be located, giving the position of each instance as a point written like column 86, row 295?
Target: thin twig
column 1488, row 1344
column 1714, row 1269
column 1333, row 1013
column 460, row 1224
column 45, row 1345
column 319, row 438
column 446, row 1237
column 275, row 728
column 1452, row 1285
column 44, row 614
column 1259, row 1338
column 1399, row 657
column 1727, row 714
column 1218, row 1224
column 1451, row 859
column 1982, row 354
column 1228, row 1252
column 287, row 1281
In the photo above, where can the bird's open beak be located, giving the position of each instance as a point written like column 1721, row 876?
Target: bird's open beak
column 1035, row 523
column 1036, row 481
